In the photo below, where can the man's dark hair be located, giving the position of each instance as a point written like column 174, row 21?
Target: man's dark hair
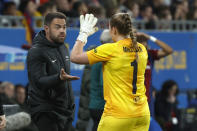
column 50, row 16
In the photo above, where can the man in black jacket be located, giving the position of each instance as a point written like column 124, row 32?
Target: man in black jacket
column 50, row 95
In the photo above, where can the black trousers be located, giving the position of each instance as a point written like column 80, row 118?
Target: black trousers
column 47, row 122
column 96, row 116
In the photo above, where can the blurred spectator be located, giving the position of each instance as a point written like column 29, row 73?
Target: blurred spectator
column 79, row 8
column 135, row 10
column 63, row 6
column 185, row 7
column 7, row 93
column 148, row 16
column 178, row 12
column 20, row 94
column 97, row 11
column 71, row 3
column 156, row 4
column 100, row 13
column 131, row 7
column 10, row 9
column 194, row 4
column 166, row 112
column 181, row 10
column 193, row 11
column 111, row 7
column 29, row 10
column 164, row 13
column 47, row 7
column 8, row 89
column 165, row 16
column 124, row 7
column 194, row 15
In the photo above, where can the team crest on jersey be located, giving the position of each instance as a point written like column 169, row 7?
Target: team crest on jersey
column 136, row 99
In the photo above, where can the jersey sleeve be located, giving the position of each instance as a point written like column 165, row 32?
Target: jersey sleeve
column 101, row 53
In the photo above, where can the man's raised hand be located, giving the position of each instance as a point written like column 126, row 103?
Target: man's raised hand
column 64, row 76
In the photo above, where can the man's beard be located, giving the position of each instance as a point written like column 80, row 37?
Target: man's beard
column 58, row 40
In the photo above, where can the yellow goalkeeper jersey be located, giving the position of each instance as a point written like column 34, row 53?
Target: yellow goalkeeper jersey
column 123, row 78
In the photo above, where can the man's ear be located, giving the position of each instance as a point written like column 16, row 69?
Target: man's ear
column 46, row 28
column 115, row 30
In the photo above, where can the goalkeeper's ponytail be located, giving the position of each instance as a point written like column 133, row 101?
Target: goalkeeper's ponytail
column 123, row 23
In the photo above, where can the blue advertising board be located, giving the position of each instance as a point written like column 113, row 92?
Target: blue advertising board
column 180, row 66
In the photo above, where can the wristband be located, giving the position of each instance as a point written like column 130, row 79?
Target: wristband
column 82, row 37
column 153, row 39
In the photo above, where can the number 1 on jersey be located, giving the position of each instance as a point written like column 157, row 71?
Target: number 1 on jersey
column 134, row 64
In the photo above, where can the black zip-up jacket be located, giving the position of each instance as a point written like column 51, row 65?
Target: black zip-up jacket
column 46, row 92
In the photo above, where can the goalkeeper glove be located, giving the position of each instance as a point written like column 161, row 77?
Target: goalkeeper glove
column 87, row 27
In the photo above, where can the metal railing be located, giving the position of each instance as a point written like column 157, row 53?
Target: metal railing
column 11, row 21
column 161, row 25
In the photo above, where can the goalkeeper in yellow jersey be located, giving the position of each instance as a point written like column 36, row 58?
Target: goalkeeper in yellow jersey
column 124, row 63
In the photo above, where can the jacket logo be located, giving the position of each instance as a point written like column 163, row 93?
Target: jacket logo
column 53, row 61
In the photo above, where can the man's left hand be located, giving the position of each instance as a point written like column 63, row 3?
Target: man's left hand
column 64, row 76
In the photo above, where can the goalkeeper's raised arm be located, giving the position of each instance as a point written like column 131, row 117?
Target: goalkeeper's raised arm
column 87, row 28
